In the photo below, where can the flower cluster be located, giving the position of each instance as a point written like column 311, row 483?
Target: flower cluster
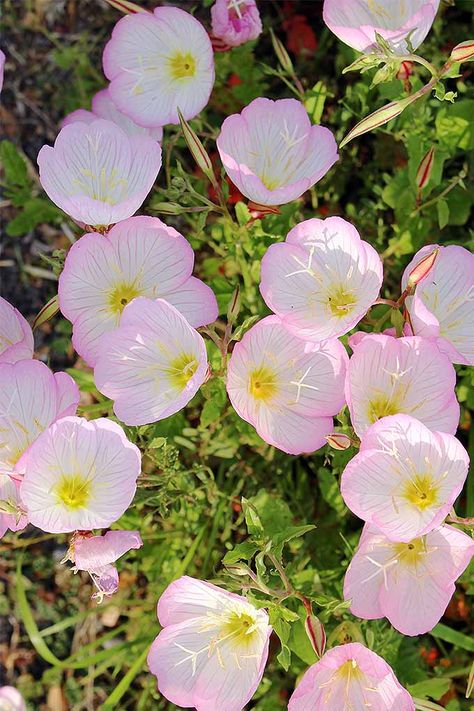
column 127, row 287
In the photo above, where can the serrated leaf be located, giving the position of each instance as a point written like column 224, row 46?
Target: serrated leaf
column 242, row 551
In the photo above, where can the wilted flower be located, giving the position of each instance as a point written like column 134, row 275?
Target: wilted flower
column 286, row 388
column 97, row 555
column 103, row 107
column 16, row 336
column 98, row 174
column 31, row 399
column 409, row 583
column 322, row 280
column 11, row 699
column 79, row 475
column 235, row 21
column 399, row 23
column 387, row 376
column 273, row 153
column 140, row 256
column 152, row 364
column 442, row 307
column 157, row 63
column 350, row 677
column 405, row 478
column 213, row 649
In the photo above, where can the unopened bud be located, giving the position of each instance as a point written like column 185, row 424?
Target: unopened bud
column 422, row 269
column 281, row 53
column 339, row 441
column 378, row 118
column 316, row 634
column 47, row 312
column 168, row 208
column 405, row 71
column 128, row 8
column 463, row 52
column 234, row 306
column 423, row 174
column 239, row 569
column 198, row 151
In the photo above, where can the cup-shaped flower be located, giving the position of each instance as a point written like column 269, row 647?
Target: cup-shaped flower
column 409, row 375
column 140, row 256
column 97, row 555
column 159, row 62
column 235, row 21
column 272, row 153
column 11, row 699
column 97, row 173
column 213, row 648
column 287, row 389
column 79, row 475
column 16, row 336
column 12, row 516
column 399, row 23
column 405, row 478
column 350, row 677
column 31, row 399
column 442, row 307
column 410, row 583
column 322, row 280
column 104, row 108
column 152, row 364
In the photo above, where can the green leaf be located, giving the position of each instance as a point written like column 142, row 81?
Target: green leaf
column 242, row 551
column 443, row 213
column 35, row 211
column 210, row 413
column 252, row 519
column 290, row 533
column 453, row 637
column 242, row 213
column 454, row 126
column 314, row 104
column 330, row 490
column 127, row 680
column 430, row 688
column 13, row 164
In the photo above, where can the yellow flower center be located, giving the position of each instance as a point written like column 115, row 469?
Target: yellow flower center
column 382, row 406
column 240, row 627
column 349, row 671
column 262, row 384
column 341, row 301
column 182, row 65
column 73, row 490
column 410, row 553
column 122, row 295
column 182, row 369
column 422, row 491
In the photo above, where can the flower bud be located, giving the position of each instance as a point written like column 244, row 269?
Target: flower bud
column 338, row 441
column 47, row 312
column 233, row 307
column 281, row 53
column 128, row 8
column 316, row 634
column 425, row 169
column 463, row 52
column 378, row 118
column 422, row 269
column 198, row 151
column 405, row 71
column 261, row 210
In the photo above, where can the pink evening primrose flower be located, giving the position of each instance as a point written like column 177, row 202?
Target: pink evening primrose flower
column 158, row 63
column 16, row 336
column 97, row 555
column 350, row 678
column 2, row 68
column 212, row 650
column 140, row 256
column 273, row 153
column 104, row 108
column 235, row 21
column 97, row 173
column 31, row 399
column 287, row 389
column 11, row 699
column 405, row 478
column 152, row 364
column 399, row 23
column 322, row 280
column 409, row 375
column 442, row 307
column 409, row 583
column 79, row 475
column 12, row 510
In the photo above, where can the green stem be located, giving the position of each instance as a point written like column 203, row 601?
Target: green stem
column 447, row 190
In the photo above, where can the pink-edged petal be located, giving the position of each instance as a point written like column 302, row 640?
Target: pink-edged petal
column 195, row 300
column 16, row 336
column 97, row 551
